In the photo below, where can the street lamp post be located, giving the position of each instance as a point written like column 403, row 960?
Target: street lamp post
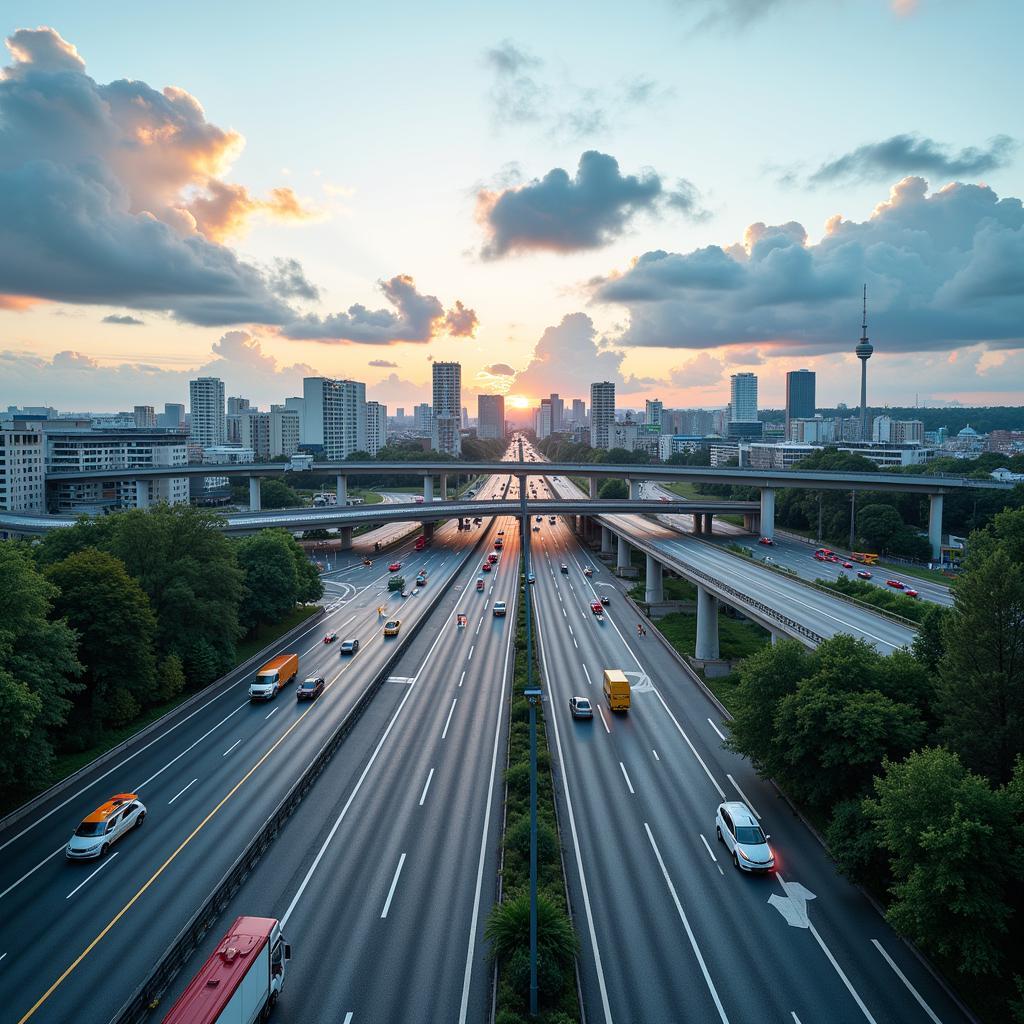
column 853, row 516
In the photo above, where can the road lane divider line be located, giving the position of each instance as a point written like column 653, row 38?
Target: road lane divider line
column 426, row 786
column 655, row 753
column 462, row 677
column 746, row 799
column 33, row 870
column 394, row 885
column 590, row 682
column 711, row 853
column 689, row 931
column 625, row 775
column 682, row 732
column 796, row 1019
column 180, row 791
column 715, row 727
column 232, row 747
column 93, row 874
column 348, row 1018
column 906, row 981
column 448, row 720
column 274, row 712
column 603, row 722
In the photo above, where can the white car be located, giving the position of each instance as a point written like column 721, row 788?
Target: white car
column 737, row 827
column 499, row 609
column 108, row 823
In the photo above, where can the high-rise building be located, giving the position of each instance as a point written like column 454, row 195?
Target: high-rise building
column 145, row 416
column 446, row 419
column 887, row 430
column 542, row 419
column 237, row 406
column 864, row 350
column 814, row 430
column 655, row 411
column 799, row 397
column 465, row 418
column 421, row 415
column 285, row 425
column 22, row 469
column 172, row 418
column 490, row 417
column 254, row 433
column 743, row 398
column 578, row 416
column 557, row 413
column 602, row 414
column 206, row 411
column 376, row 426
column 334, row 416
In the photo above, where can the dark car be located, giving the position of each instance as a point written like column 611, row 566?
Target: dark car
column 349, row 646
column 310, row 689
column 564, row 568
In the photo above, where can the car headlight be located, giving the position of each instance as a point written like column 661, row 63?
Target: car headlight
column 742, row 854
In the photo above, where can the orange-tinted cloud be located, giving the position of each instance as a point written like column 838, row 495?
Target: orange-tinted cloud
column 17, row 303
column 225, row 209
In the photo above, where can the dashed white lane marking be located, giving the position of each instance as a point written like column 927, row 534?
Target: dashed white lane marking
column 746, row 799
column 625, row 775
column 448, row 720
column 899, row 974
column 32, row 871
column 471, row 650
column 232, row 747
column 394, row 885
column 603, row 722
column 463, row 676
column 715, row 727
column 655, row 753
column 587, row 674
column 711, row 852
column 348, row 1018
column 796, row 1019
column 274, row 712
column 426, row 786
column 180, row 791
column 90, row 876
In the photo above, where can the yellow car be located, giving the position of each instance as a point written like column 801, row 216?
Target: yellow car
column 391, row 628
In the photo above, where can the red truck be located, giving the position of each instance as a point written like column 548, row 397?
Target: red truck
column 242, row 979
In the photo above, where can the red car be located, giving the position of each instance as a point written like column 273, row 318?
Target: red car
column 864, row 574
column 486, row 567
column 766, row 540
column 910, row 592
column 492, row 558
column 847, row 565
column 894, row 583
column 595, row 607
column 394, row 566
column 330, row 638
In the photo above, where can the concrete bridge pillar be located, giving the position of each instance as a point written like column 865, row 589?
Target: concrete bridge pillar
column 345, row 532
column 775, row 638
column 428, row 531
column 254, row 494
column 768, row 512
column 593, row 487
column 444, row 486
column 624, row 555
column 751, row 522
column 654, row 590
column 607, row 541
column 707, row 626
column 342, row 490
column 634, row 489
column 709, row 522
column 428, row 488
column 935, row 525
column 698, row 523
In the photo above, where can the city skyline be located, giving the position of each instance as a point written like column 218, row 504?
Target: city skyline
column 671, row 278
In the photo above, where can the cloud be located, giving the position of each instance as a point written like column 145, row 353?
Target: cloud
column 500, row 370
column 288, row 280
column 128, row 321
column 943, row 269
column 730, row 15
column 419, row 318
column 562, row 214
column 517, row 97
column 701, row 371
column 225, row 209
column 393, row 391
column 915, row 154
column 385, row 363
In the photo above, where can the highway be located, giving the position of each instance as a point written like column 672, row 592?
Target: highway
column 208, row 783
column 669, row 930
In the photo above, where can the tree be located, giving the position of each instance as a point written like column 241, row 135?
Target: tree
column 945, row 830
column 116, row 628
column 981, row 675
column 929, row 643
column 170, row 679
column 613, row 489
column 877, row 525
column 271, row 580
column 277, row 494
column 37, row 666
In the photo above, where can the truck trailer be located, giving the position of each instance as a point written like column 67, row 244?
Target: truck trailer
column 273, row 677
column 241, row 981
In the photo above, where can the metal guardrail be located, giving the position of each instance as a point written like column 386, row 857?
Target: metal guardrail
column 147, row 996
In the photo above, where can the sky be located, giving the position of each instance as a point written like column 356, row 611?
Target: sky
column 661, row 194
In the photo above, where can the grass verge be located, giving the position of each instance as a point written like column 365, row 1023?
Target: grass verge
column 737, row 638
column 508, row 927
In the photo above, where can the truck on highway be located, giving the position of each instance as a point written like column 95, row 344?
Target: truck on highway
column 616, row 689
column 273, row 677
column 241, row 981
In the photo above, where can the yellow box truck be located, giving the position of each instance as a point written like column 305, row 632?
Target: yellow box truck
column 274, row 677
column 616, row 689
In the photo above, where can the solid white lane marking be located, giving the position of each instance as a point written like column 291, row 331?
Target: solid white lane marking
column 426, row 786
column 711, row 852
column 394, row 884
column 448, row 720
column 180, row 791
column 587, row 674
column 348, row 1018
column 715, row 727
column 471, row 650
column 626, row 777
column 90, row 876
column 274, row 712
column 603, row 722
column 463, row 676
column 796, row 1019
column 232, row 747
column 655, row 753
column 686, row 924
column 899, row 974
column 707, row 772
column 32, row 871
column 746, row 799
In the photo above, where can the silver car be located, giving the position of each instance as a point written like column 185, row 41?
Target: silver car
column 108, row 823
column 736, row 825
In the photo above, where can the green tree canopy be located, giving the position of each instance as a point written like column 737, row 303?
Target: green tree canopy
column 613, row 489
column 877, row 525
column 276, row 574
column 277, row 494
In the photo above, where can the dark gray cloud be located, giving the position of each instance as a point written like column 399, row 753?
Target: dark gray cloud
column 915, row 154
column 517, row 96
column 125, row 320
column 415, row 317
column 730, row 15
column 288, row 280
column 500, row 370
column 943, row 269
column 383, row 363
column 562, row 214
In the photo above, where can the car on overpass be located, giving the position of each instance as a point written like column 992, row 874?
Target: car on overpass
column 896, row 584
column 392, row 626
column 863, row 574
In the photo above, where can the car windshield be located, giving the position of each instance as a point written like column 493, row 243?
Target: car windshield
column 749, row 835
column 91, row 828
column 583, row 705
column 309, row 684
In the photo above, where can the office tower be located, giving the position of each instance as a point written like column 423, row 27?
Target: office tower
column 465, row 418
column 21, row 469
column 172, row 418
column 490, row 417
column 254, row 433
column 579, row 412
column 542, row 419
column 446, row 417
column 237, row 406
column 421, row 418
column 655, row 412
column 886, row 430
column 334, row 416
column 295, row 404
column 557, row 413
column 206, row 411
column 285, row 427
column 864, row 350
column 743, row 398
column 400, row 413
column 144, row 416
column 799, row 397
column 602, row 414
column 376, row 426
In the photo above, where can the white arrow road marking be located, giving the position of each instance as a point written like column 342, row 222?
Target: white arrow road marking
column 793, row 906
column 643, row 682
